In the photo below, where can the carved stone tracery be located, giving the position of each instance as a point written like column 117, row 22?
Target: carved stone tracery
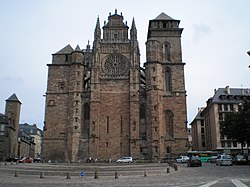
column 115, row 65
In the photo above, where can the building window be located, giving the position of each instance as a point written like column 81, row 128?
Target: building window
column 202, row 130
column 167, row 52
column 202, row 123
column 106, row 144
column 142, row 111
column 235, row 144
column 231, row 107
column 86, row 111
column 51, row 103
column 203, row 144
column 169, row 122
column 168, row 80
column 107, row 124
column 121, row 125
column 61, row 86
column 220, row 116
column 229, row 144
column 225, row 107
column 156, row 149
column 222, row 144
column 155, row 129
column 169, row 149
column 220, row 107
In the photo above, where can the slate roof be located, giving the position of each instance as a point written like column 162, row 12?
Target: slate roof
column 26, row 128
column 66, row 50
column 14, row 98
column 163, row 16
column 235, row 95
column 77, row 48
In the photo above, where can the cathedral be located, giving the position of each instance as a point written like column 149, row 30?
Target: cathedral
column 100, row 103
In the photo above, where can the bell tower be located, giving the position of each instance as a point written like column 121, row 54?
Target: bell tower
column 165, row 88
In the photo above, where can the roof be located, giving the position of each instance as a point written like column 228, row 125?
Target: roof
column 231, row 95
column 13, row 98
column 66, row 50
column 27, row 128
column 163, row 16
column 77, row 48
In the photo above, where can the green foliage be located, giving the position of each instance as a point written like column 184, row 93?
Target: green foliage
column 237, row 125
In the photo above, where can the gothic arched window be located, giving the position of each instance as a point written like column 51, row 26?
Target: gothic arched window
column 86, row 111
column 167, row 52
column 168, row 80
column 169, row 120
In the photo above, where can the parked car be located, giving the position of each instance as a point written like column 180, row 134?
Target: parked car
column 37, row 159
column 194, row 161
column 125, row 160
column 239, row 159
column 224, row 160
column 13, row 159
column 25, row 160
column 182, row 159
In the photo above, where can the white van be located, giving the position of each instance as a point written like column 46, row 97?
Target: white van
column 125, row 160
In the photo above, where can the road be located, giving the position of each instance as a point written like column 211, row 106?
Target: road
column 127, row 175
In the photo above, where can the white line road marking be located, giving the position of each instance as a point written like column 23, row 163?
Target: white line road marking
column 238, row 183
column 209, row 184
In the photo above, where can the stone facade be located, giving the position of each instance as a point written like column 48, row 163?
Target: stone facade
column 9, row 124
column 206, row 125
column 101, row 104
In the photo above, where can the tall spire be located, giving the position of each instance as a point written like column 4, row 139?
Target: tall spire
column 97, row 29
column 133, row 31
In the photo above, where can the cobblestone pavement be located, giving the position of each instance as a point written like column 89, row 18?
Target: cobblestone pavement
column 127, row 175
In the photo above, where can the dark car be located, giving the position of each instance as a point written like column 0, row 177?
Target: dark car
column 239, row 159
column 194, row 161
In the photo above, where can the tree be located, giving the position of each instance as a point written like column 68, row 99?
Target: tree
column 236, row 125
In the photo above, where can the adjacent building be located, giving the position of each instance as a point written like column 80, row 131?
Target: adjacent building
column 206, row 125
column 101, row 103
column 34, row 135
column 9, row 126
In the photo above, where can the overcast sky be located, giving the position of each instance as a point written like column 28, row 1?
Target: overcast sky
column 215, row 40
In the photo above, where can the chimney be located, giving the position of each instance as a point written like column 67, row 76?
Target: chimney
column 227, row 89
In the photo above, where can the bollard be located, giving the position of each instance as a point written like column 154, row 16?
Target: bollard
column 145, row 173
column 5, row 163
column 16, row 174
column 11, row 162
column 116, row 175
column 96, row 175
column 68, row 176
column 41, row 175
column 175, row 167
column 168, row 170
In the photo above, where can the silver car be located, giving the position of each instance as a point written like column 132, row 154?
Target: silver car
column 225, row 160
column 182, row 159
column 125, row 160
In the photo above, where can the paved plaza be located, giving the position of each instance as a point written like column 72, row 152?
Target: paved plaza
column 138, row 175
